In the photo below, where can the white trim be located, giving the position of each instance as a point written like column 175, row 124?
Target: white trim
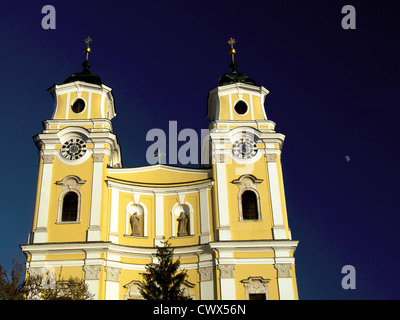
column 40, row 234
column 150, row 190
column 277, row 213
column 89, row 105
column 67, row 105
column 95, row 206
column 112, row 290
column 228, row 289
column 102, row 112
column 159, row 219
column 223, row 202
column 158, row 167
column 285, row 288
column 113, row 236
column 232, row 124
column 205, row 236
column 230, row 107
column 252, row 107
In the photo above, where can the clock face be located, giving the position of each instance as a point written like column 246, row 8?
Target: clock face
column 73, row 149
column 244, row 148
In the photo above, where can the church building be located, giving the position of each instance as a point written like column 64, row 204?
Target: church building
column 101, row 222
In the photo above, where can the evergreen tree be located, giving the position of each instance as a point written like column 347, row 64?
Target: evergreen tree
column 162, row 280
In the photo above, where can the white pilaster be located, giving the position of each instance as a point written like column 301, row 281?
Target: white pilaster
column 204, row 217
column 40, row 234
column 279, row 230
column 113, row 236
column 206, row 283
column 95, row 207
column 224, row 231
column 92, row 279
column 159, row 217
column 112, row 283
column 285, row 282
column 227, row 282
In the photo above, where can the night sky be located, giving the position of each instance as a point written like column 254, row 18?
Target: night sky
column 334, row 94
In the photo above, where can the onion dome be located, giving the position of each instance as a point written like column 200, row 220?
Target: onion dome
column 234, row 76
column 85, row 75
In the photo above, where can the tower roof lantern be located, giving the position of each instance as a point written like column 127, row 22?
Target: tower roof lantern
column 85, row 75
column 234, row 76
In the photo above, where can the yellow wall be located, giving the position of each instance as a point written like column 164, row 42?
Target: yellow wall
column 267, row 271
column 94, row 107
column 244, row 230
column 68, row 232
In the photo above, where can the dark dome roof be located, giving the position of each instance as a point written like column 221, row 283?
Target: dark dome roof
column 85, row 75
column 234, row 76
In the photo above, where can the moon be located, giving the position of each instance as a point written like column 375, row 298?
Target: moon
column 347, row 158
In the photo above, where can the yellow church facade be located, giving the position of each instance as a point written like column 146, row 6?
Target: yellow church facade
column 227, row 221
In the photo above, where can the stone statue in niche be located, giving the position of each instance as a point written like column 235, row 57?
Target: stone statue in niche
column 182, row 225
column 134, row 220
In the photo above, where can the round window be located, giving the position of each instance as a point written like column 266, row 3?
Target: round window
column 78, row 106
column 241, row 107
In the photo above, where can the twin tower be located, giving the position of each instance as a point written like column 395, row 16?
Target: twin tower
column 101, row 222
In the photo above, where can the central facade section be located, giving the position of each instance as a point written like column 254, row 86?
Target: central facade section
column 227, row 220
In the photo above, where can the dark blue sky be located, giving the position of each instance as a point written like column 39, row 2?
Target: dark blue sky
column 333, row 93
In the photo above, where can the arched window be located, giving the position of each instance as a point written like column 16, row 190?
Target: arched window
column 70, row 207
column 69, row 201
column 249, row 205
column 248, row 198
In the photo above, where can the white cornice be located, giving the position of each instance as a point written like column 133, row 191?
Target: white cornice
column 238, row 86
column 94, row 249
column 131, row 187
column 158, row 167
column 63, row 88
column 254, row 245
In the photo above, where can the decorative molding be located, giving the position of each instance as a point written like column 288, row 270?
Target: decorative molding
column 226, row 270
column 48, row 159
column 68, row 184
column 187, row 288
column 283, row 270
column 256, row 285
column 91, row 272
column 219, row 158
column 98, row 157
column 206, row 273
column 35, row 271
column 271, row 157
column 113, row 274
column 71, row 183
column 244, row 183
column 133, row 290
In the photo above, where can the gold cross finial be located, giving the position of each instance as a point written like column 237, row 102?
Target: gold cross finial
column 232, row 52
column 88, row 40
column 159, row 154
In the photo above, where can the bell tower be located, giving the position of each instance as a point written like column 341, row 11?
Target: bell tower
column 245, row 156
column 75, row 148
